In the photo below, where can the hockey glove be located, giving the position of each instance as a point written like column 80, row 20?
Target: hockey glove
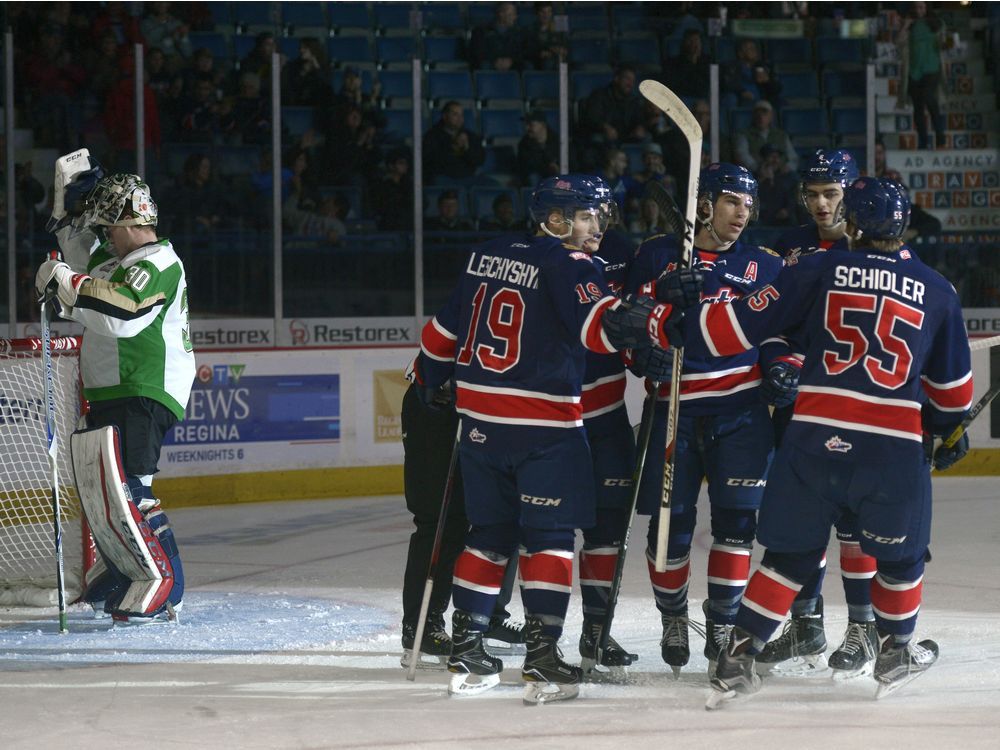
column 641, row 322
column 653, row 363
column 780, row 385
column 681, row 288
column 58, row 274
column 945, row 458
column 440, row 398
column 74, row 197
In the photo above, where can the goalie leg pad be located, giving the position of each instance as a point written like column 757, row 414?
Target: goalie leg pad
column 123, row 536
column 158, row 522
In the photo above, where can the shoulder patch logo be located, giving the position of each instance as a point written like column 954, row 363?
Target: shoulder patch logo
column 837, row 445
column 476, row 436
column 577, row 255
column 770, row 251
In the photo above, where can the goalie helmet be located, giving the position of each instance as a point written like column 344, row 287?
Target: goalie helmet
column 721, row 178
column 880, row 208
column 825, row 167
column 121, row 200
column 567, row 194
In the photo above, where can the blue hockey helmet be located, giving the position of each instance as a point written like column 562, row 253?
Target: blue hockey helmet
column 568, row 194
column 607, row 199
column 825, row 167
column 880, row 208
column 720, row 178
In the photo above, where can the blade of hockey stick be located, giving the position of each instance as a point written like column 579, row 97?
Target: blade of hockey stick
column 670, row 104
column 668, row 207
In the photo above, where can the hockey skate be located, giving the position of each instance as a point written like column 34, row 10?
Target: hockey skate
column 716, row 638
column 548, row 678
column 435, row 646
column 800, row 648
column 504, row 638
column 614, row 658
column 469, row 659
column 855, row 657
column 735, row 676
column 896, row 665
column 165, row 615
column 674, row 646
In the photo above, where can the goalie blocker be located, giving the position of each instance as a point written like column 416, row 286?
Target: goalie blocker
column 131, row 532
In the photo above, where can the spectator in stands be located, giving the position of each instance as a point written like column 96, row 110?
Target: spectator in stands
column 198, row 203
column 54, row 82
column 103, row 65
column 262, row 182
column 117, row 18
column 500, row 45
column 204, row 69
column 167, row 86
column 246, row 118
column 748, row 78
column 448, row 219
column 119, row 117
column 648, row 221
column 654, row 170
column 258, row 61
column 777, row 188
column 747, row 144
column 687, row 73
column 538, row 150
column 623, row 187
column 303, row 216
column 391, row 196
column 306, row 78
column 451, row 151
column 920, row 42
column 503, row 218
column 351, row 152
column 612, row 115
column 200, row 114
column 351, row 94
column 546, row 45
column 169, row 33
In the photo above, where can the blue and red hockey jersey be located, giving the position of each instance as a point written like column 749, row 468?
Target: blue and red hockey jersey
column 513, row 335
column 882, row 334
column 712, row 384
column 805, row 240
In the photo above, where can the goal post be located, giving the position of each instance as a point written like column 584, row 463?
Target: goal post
column 27, row 553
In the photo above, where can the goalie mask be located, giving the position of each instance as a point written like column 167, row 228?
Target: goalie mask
column 121, row 200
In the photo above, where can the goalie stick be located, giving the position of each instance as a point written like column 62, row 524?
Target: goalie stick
column 425, row 603
column 670, row 104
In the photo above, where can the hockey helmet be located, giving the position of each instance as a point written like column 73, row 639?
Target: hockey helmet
column 721, row 178
column 607, row 199
column 121, row 200
column 568, row 194
column 880, row 208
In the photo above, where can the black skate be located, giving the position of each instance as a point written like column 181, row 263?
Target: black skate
column 504, row 638
column 674, row 646
column 435, row 645
column 855, row 657
column 735, row 676
column 548, row 678
column 716, row 638
column 614, row 657
column 800, row 647
column 896, row 665
column 469, row 658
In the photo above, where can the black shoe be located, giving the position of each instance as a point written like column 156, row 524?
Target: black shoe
column 735, row 676
column 674, row 646
column 613, row 656
column 716, row 637
column 504, row 637
column 898, row 664
column 803, row 642
column 435, row 641
column 548, row 677
column 856, row 655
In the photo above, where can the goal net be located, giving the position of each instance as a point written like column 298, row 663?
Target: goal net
column 27, row 545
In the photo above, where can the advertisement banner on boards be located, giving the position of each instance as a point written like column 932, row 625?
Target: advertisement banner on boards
column 388, row 387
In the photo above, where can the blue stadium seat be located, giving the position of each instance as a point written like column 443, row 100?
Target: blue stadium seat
column 175, row 154
column 837, row 50
column 289, row 46
column 480, row 13
column 634, row 153
column 348, row 15
column 392, row 15
column 297, row 120
column 441, row 49
column 642, row 51
column 253, row 14
column 799, row 85
column 844, row 83
column 790, row 51
column 443, row 16
column 242, row 44
column 222, row 13
column 482, row 199
column 230, row 161
column 740, row 119
column 215, row 43
column 432, row 193
column 502, row 123
column 589, row 52
column 446, row 84
column 848, row 121
column 500, row 159
column 497, row 84
column 584, row 19
column 303, row 14
column 541, row 84
column 398, row 123
column 725, row 49
column 396, row 84
column 583, row 83
column 804, row 121
column 349, row 48
column 390, row 49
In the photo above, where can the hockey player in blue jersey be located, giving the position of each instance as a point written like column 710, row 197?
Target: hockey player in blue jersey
column 824, row 178
column 882, row 333
column 724, row 429
column 513, row 335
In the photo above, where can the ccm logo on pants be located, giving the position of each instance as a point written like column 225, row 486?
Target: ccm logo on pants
column 547, row 501
column 746, row 482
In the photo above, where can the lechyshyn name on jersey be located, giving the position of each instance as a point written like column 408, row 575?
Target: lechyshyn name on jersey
column 505, row 269
column 879, row 280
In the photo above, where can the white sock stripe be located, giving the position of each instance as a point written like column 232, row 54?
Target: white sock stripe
column 483, row 556
column 905, row 586
column 730, row 550
column 598, row 582
column 563, row 553
column 888, row 616
column 858, row 576
column 763, row 611
column 788, row 583
column 675, row 564
column 456, row 581
column 727, row 581
column 546, row 586
column 599, row 551
column 665, row 590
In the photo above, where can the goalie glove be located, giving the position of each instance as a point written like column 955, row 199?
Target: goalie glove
column 57, row 277
column 76, row 177
column 641, row 322
column 681, row 288
column 780, row 384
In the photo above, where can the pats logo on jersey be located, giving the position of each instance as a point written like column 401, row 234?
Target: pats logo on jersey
column 476, row 436
column 837, row 445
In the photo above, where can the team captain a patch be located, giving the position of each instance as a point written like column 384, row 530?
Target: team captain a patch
column 837, row 445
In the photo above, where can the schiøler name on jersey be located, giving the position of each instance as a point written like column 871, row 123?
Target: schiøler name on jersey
column 504, row 269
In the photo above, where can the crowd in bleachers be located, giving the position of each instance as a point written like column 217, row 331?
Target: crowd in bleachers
column 489, row 99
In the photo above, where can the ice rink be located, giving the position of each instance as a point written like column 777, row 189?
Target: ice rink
column 289, row 638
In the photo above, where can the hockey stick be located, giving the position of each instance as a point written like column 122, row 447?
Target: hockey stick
column 987, row 343
column 667, row 206
column 645, row 430
column 974, row 412
column 53, row 440
column 669, row 103
column 425, row 603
